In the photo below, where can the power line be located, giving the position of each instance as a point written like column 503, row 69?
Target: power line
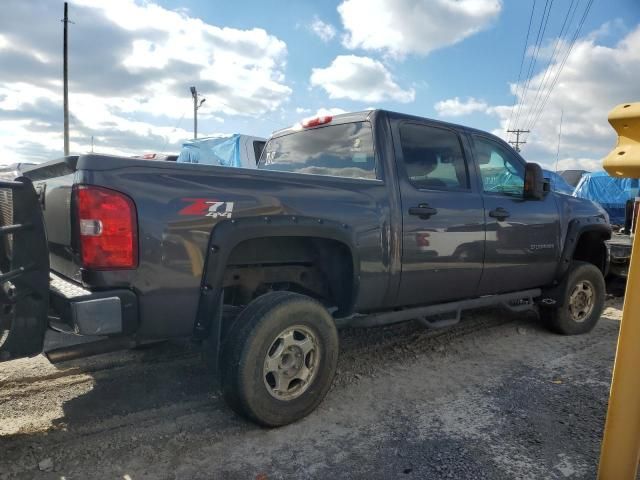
column 564, row 60
column 534, row 57
column 568, row 20
column 527, row 78
column 524, row 52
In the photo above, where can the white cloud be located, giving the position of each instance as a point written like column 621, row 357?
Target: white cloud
column 361, row 79
column 454, row 107
column 400, row 27
column 324, row 31
column 595, row 78
column 320, row 112
column 332, row 111
column 131, row 65
column 570, row 163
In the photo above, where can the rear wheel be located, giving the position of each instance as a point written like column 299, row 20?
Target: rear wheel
column 583, row 301
column 279, row 358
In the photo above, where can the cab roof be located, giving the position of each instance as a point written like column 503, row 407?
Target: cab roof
column 367, row 115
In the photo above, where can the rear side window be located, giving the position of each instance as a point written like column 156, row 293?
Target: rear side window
column 433, row 157
column 344, row 150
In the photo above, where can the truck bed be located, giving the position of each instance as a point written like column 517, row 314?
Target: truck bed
column 176, row 225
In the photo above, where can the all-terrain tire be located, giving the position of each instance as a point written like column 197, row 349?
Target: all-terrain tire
column 583, row 301
column 268, row 325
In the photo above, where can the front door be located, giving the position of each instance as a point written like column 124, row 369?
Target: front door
column 522, row 249
column 442, row 214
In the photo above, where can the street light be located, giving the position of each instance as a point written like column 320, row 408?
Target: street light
column 196, row 106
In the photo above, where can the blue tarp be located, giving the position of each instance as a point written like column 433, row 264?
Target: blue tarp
column 612, row 193
column 558, row 184
column 212, row 151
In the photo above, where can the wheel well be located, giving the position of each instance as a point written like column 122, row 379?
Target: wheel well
column 591, row 248
column 319, row 267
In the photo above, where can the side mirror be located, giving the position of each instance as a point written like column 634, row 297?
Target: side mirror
column 535, row 185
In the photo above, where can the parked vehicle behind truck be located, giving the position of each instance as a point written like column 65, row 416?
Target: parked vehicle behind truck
column 237, row 150
column 360, row 219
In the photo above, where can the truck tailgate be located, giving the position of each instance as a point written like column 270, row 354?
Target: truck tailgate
column 53, row 181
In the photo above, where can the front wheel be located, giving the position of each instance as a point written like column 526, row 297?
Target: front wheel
column 279, row 358
column 583, row 301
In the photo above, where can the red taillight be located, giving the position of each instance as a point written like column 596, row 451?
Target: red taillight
column 107, row 225
column 316, row 121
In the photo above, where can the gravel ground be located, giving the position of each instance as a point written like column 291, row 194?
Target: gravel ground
column 495, row 397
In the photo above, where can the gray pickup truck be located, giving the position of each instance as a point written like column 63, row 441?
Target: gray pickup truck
column 357, row 220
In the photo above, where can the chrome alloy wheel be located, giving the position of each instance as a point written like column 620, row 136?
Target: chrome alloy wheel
column 291, row 363
column 581, row 301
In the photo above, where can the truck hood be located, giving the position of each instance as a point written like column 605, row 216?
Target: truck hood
column 573, row 207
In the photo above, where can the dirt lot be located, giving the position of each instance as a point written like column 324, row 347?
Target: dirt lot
column 495, row 397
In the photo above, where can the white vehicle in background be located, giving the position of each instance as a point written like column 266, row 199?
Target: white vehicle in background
column 237, row 150
column 9, row 172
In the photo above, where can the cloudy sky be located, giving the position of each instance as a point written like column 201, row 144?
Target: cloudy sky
column 263, row 65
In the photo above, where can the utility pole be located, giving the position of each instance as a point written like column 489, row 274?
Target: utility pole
column 65, row 81
column 196, row 107
column 518, row 142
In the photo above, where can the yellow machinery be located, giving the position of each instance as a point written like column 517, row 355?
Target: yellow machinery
column 621, row 441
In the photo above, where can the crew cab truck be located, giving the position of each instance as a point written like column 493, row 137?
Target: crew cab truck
column 360, row 219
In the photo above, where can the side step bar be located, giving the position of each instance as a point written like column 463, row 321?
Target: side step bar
column 524, row 299
column 89, row 349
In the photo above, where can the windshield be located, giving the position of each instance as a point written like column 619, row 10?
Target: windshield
column 344, row 150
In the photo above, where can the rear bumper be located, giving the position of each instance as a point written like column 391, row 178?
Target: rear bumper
column 85, row 312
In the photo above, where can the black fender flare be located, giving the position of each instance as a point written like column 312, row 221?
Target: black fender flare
column 227, row 234
column 578, row 226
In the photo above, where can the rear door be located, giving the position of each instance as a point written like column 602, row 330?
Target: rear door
column 443, row 219
column 522, row 248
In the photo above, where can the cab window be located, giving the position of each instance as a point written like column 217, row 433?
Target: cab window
column 343, row 150
column 433, row 157
column 500, row 170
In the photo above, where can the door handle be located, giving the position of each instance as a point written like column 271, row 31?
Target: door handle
column 499, row 214
column 423, row 211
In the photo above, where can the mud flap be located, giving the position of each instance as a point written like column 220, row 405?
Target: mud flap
column 24, row 271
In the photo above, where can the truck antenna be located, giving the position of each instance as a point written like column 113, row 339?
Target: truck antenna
column 559, row 138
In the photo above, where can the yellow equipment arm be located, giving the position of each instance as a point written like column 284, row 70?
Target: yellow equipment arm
column 621, row 441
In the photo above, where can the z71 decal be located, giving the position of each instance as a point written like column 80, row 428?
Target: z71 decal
column 207, row 207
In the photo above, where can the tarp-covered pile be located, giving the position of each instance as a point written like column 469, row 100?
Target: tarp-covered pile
column 611, row 193
column 212, row 151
